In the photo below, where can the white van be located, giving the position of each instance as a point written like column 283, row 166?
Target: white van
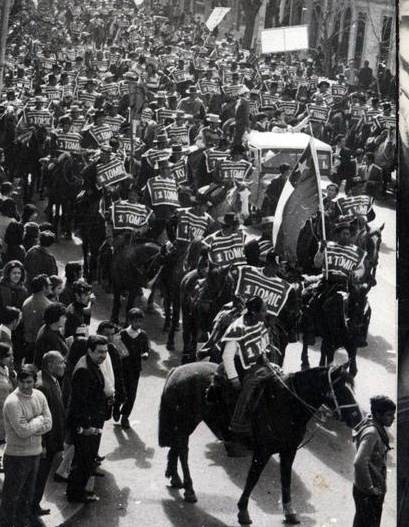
column 267, row 150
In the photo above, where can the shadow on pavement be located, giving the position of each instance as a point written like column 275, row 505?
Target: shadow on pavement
column 109, row 510
column 181, row 514
column 331, row 444
column 377, row 351
column 267, row 493
column 130, row 446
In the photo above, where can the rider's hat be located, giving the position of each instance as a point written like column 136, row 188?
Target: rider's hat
column 323, row 82
column 179, row 149
column 64, row 119
column 213, row 118
column 161, row 139
column 343, row 222
column 230, row 219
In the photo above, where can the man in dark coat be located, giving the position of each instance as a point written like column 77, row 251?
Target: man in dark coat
column 49, row 337
column 53, row 366
column 85, row 417
column 39, row 260
column 274, row 190
column 342, row 161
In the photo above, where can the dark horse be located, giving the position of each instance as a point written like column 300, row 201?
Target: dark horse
column 132, row 267
column 63, row 185
column 279, row 421
column 344, row 318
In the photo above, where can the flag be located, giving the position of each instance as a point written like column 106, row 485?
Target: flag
column 299, row 200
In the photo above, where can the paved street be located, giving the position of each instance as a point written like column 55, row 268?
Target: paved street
column 134, row 490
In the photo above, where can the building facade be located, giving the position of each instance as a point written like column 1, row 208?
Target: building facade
column 355, row 29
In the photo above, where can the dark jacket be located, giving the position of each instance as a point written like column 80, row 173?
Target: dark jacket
column 136, row 348
column 67, row 296
column 273, row 194
column 12, row 296
column 87, row 404
column 77, row 350
column 48, row 340
column 53, row 440
column 39, row 261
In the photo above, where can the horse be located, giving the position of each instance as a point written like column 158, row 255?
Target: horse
column 30, row 151
column 200, row 305
column 344, row 317
column 63, row 186
column 279, row 421
column 90, row 226
column 132, row 267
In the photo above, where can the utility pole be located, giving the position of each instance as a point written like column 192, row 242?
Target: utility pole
column 5, row 13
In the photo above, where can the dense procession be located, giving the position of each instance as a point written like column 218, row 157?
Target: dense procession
column 238, row 190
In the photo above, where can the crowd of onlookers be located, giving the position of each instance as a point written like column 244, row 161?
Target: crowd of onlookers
column 58, row 382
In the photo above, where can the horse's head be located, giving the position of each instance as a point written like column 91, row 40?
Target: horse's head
column 339, row 395
column 372, row 246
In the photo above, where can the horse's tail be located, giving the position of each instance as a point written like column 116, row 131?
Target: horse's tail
column 166, row 421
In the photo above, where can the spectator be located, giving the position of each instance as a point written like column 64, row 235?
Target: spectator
column 8, row 213
column 7, row 383
column 30, row 213
column 112, row 369
column 365, row 76
column 50, row 337
column 39, row 260
column 53, row 366
column 12, row 290
column 274, row 190
column 13, row 239
column 56, row 288
column 73, row 272
column 11, row 318
column 342, row 161
column 26, row 418
column 350, row 75
column 31, row 235
column 86, row 416
column 137, row 345
column 79, row 311
column 372, row 444
column 33, row 313
column 370, row 176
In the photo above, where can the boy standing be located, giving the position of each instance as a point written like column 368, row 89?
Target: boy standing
column 370, row 462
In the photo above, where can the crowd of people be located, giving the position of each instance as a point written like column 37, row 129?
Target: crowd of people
column 147, row 115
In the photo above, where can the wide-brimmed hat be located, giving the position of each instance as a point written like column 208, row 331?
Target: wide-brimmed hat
column 191, row 90
column 323, row 82
column 161, row 138
column 230, row 219
column 74, row 108
column 162, row 162
column 180, row 114
column 65, row 119
column 106, row 148
column 179, row 149
column 40, row 98
column 213, row 118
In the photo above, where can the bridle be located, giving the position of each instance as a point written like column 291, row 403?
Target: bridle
column 337, row 411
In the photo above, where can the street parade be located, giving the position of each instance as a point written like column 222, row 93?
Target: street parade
column 197, row 227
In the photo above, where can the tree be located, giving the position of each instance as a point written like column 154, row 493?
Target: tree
column 251, row 9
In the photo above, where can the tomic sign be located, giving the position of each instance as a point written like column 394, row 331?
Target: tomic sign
column 216, row 16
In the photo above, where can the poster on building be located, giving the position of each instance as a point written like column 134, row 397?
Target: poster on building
column 284, row 39
column 216, row 16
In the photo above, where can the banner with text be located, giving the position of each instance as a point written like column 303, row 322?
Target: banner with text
column 216, row 16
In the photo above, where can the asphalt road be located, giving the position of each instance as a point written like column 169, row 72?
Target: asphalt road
column 134, row 491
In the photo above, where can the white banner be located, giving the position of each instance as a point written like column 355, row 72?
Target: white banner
column 216, row 16
column 283, row 39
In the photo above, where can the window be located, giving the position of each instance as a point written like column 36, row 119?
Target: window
column 360, row 38
column 385, row 39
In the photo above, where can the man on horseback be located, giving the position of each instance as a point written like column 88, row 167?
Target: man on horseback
column 342, row 263
column 226, row 246
column 244, row 360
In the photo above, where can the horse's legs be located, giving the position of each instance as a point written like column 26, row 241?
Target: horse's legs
column 85, row 250
column 175, row 319
column 305, row 362
column 286, row 464
column 186, row 335
column 183, row 452
column 172, row 469
column 258, row 463
column 116, row 305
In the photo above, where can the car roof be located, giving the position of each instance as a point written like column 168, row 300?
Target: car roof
column 284, row 140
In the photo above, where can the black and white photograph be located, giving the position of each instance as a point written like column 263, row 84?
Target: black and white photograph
column 204, row 263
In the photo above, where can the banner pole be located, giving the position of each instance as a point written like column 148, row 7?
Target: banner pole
column 321, row 201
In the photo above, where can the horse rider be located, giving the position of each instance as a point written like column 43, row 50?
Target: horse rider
column 246, row 344
column 342, row 264
column 161, row 195
column 192, row 223
column 226, row 246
